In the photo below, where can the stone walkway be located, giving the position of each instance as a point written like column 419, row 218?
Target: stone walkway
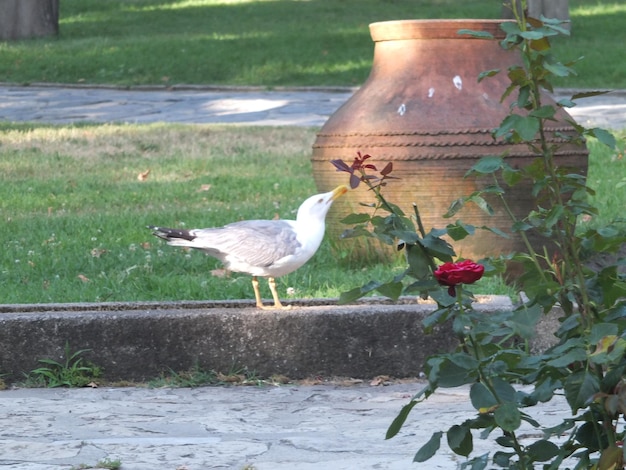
column 239, row 428
column 310, row 107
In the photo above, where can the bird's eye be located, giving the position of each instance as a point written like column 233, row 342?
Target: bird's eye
column 320, row 200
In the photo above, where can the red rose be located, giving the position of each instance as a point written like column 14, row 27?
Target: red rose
column 453, row 274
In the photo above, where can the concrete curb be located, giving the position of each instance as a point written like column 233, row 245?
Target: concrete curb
column 138, row 341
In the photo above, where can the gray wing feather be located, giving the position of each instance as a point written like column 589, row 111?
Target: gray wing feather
column 257, row 242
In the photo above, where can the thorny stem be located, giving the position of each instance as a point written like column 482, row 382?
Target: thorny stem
column 485, row 379
column 420, row 226
column 377, row 192
column 531, row 251
column 566, row 236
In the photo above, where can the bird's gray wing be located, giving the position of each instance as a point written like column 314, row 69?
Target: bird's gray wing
column 257, row 242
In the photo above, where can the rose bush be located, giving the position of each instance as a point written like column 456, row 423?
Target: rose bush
column 588, row 364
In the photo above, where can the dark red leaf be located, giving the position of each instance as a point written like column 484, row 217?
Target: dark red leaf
column 341, row 166
column 354, row 181
column 385, row 171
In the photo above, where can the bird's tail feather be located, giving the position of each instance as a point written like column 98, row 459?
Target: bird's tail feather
column 170, row 234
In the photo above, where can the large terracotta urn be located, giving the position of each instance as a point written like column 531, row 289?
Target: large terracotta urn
column 423, row 109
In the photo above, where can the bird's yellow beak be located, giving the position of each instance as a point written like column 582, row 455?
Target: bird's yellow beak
column 339, row 191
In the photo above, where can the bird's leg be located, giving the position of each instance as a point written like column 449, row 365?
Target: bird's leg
column 257, row 294
column 272, row 284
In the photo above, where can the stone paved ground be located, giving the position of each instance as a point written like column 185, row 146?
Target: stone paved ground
column 233, row 106
column 264, row 428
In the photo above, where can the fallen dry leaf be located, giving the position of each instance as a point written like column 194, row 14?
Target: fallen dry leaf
column 92, row 385
column 97, row 252
column 144, row 175
column 204, row 187
column 83, row 278
column 348, row 382
column 231, row 379
column 280, row 379
column 220, row 272
column 380, row 380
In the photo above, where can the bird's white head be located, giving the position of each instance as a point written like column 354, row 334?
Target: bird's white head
column 316, row 207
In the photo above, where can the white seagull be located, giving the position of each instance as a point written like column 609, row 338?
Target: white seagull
column 265, row 248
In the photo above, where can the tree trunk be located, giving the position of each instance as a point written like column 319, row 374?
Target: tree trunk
column 548, row 8
column 21, row 19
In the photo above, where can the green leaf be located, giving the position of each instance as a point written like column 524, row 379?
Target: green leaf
column 508, row 417
column 358, row 292
column 554, row 215
column 527, row 127
column 458, row 230
column 438, row 247
column 481, row 397
column 460, row 440
column 350, row 296
column 399, row 420
column 497, row 231
column 429, row 449
column 503, row 459
column 524, row 321
column 579, row 388
column 545, row 390
column 522, row 99
column 482, row 204
column 600, row 330
column 564, row 360
column 487, row 73
column 588, row 94
column 477, row 463
column 545, row 112
column 355, row 232
column 507, row 125
column 464, row 360
column 434, row 318
column 542, row 450
column 419, row 262
column 453, row 375
column 558, row 69
column 355, row 219
column 487, row 165
column 588, row 437
column 455, row 207
column 475, row 34
column 603, row 136
column 511, row 176
column 510, row 27
column 531, row 34
column 504, row 390
column 393, row 290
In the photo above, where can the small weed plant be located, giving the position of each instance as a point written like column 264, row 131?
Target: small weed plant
column 197, row 376
column 75, row 371
column 506, row 379
column 107, row 464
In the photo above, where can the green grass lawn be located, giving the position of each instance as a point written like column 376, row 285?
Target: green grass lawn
column 269, row 43
column 74, row 210
column 75, row 213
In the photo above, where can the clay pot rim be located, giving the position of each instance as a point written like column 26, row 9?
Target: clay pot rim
column 433, row 29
